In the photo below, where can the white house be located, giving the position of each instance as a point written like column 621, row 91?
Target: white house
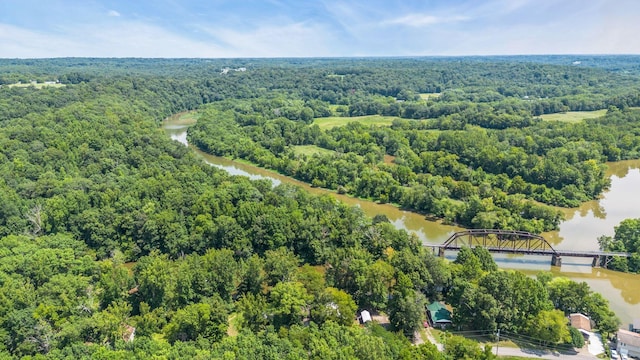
column 628, row 343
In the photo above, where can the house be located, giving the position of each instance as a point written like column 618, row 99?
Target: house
column 365, row 316
column 438, row 315
column 580, row 321
column 628, row 343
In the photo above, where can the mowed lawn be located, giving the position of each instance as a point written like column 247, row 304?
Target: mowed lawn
column 310, row 150
column 573, row 116
column 333, row 121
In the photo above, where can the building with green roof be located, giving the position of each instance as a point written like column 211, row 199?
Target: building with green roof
column 438, row 315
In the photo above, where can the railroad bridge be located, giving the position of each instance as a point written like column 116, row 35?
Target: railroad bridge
column 520, row 242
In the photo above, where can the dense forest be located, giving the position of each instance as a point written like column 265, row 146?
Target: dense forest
column 473, row 152
column 116, row 242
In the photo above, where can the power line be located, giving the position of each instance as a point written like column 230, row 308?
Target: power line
column 536, row 339
column 539, row 345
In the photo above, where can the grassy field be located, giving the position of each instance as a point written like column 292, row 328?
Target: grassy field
column 36, row 85
column 573, row 116
column 233, row 320
column 333, row 121
column 309, row 150
column 427, row 96
column 185, row 118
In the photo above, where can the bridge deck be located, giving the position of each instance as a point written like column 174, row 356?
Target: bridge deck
column 557, row 252
column 514, row 242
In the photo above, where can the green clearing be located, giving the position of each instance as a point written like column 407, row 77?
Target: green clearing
column 234, row 320
column 189, row 116
column 310, row 150
column 184, row 118
column 427, row 96
column 37, row 85
column 573, row 116
column 333, row 121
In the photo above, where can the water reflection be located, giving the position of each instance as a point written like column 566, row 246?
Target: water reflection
column 585, row 224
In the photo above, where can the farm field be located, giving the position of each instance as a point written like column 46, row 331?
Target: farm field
column 333, row 121
column 574, row 116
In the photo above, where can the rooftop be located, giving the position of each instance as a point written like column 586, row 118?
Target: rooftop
column 628, row 338
column 580, row 321
column 439, row 312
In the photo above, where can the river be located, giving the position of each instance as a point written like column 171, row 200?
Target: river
column 579, row 231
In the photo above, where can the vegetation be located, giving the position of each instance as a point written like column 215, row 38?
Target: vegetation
column 107, row 226
column 478, row 155
column 626, row 239
column 333, row 121
column 573, row 116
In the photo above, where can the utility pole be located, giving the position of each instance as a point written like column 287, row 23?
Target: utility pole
column 498, row 343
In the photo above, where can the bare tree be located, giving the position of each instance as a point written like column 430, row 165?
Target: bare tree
column 35, row 217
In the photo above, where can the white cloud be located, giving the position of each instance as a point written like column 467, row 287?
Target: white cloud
column 422, row 20
column 288, row 40
column 131, row 39
column 23, row 43
column 113, row 13
column 346, row 29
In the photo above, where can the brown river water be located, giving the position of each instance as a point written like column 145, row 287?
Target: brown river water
column 579, row 231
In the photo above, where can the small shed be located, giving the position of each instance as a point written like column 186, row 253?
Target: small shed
column 438, row 315
column 580, row 321
column 365, row 316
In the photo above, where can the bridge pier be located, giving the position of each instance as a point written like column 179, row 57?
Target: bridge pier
column 556, row 260
column 597, row 261
column 441, row 252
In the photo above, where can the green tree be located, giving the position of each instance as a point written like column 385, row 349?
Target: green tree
column 334, row 305
column 112, row 322
column 201, row 320
column 550, row 327
column 253, row 309
column 289, row 303
column 406, row 312
column 280, row 265
column 577, row 339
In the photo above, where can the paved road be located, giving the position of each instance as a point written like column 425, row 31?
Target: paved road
column 509, row 351
column 541, row 354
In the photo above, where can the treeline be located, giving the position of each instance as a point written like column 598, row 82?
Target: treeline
column 487, row 298
column 626, row 239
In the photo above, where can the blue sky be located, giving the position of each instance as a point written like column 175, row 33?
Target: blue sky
column 308, row 28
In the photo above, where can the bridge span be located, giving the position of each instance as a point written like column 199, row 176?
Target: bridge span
column 520, row 242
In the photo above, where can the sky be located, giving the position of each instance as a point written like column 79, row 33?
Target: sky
column 315, row 28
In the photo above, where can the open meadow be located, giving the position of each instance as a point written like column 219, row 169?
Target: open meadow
column 574, row 116
column 333, row 121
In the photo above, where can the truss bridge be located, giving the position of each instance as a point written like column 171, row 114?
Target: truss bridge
column 519, row 242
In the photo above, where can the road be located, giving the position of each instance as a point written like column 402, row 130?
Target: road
column 542, row 354
column 509, row 351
